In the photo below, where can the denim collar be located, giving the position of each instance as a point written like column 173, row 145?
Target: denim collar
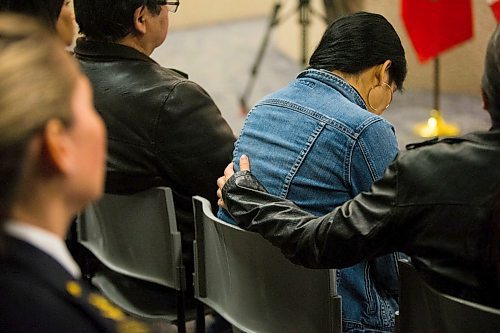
column 336, row 83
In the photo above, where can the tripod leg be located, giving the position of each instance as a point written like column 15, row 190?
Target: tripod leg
column 255, row 68
column 335, row 9
column 304, row 23
column 331, row 13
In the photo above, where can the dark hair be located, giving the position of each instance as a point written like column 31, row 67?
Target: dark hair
column 47, row 11
column 491, row 77
column 109, row 20
column 359, row 41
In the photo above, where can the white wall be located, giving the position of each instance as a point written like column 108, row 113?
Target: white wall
column 193, row 13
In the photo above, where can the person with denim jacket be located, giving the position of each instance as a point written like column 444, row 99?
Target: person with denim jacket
column 321, row 140
column 438, row 202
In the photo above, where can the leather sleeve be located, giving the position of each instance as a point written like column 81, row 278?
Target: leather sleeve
column 194, row 142
column 360, row 229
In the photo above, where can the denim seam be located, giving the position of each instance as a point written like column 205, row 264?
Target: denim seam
column 364, row 151
column 302, row 155
column 347, row 165
column 328, row 77
column 368, row 159
column 383, row 314
column 371, row 306
column 367, row 122
column 311, row 113
column 354, row 326
column 388, row 317
column 236, row 144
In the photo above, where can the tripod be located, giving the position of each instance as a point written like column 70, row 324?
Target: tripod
column 304, row 9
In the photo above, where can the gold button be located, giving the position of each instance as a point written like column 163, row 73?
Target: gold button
column 74, row 288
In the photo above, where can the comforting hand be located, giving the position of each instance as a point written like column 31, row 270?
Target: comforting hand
column 228, row 173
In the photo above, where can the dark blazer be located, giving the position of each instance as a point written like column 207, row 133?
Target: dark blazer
column 163, row 129
column 38, row 295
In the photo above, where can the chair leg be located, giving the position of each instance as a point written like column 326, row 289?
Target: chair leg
column 181, row 314
column 200, row 317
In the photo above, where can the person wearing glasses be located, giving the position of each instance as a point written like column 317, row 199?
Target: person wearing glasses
column 163, row 129
column 321, row 140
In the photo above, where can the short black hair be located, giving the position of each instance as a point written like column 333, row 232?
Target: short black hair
column 46, row 11
column 109, row 20
column 359, row 41
column 491, row 77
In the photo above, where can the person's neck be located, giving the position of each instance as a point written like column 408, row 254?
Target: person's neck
column 136, row 43
column 43, row 209
column 356, row 81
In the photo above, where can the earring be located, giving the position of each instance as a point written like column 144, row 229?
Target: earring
column 379, row 92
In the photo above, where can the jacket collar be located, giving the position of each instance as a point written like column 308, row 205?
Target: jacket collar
column 488, row 138
column 491, row 137
column 105, row 50
column 49, row 272
column 46, row 241
column 336, row 83
column 36, row 261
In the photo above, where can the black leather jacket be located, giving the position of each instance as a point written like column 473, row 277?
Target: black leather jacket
column 435, row 202
column 163, row 129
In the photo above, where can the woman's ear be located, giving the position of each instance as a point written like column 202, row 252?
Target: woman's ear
column 384, row 72
column 57, row 147
column 140, row 19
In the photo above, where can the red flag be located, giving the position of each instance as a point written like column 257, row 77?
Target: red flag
column 495, row 7
column 437, row 25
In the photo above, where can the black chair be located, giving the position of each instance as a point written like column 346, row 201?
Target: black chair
column 423, row 309
column 254, row 287
column 135, row 238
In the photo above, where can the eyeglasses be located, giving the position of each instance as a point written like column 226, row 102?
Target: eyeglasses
column 171, row 5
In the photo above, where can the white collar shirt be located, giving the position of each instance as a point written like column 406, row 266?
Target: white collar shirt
column 46, row 242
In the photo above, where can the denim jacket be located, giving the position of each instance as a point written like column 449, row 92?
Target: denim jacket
column 315, row 144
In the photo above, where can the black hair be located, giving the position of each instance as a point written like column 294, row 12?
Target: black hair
column 46, row 11
column 359, row 41
column 491, row 77
column 109, row 20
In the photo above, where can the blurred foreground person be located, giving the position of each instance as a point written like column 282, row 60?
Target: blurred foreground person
column 52, row 148
column 57, row 15
column 436, row 202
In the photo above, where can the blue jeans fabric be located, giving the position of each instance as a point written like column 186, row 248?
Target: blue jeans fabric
column 315, row 144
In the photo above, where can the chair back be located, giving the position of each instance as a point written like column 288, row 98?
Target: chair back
column 253, row 286
column 135, row 235
column 423, row 309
